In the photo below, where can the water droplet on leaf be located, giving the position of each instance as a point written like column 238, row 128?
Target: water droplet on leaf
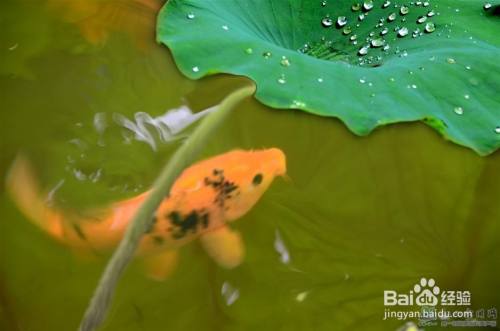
column 285, row 62
column 363, row 50
column 356, row 7
column 327, row 22
column 368, row 5
column 403, row 32
column 421, row 19
column 430, row 27
column 458, row 110
column 379, row 42
column 341, row 21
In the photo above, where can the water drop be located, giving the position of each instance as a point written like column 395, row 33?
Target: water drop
column 225, row 27
column 320, row 80
column 284, row 61
column 341, row 21
column 353, row 37
column 451, row 60
column 363, row 50
column 196, row 69
column 282, row 79
column 403, row 32
column 384, row 31
column 386, row 4
column 421, row 19
column 356, row 7
column 379, row 42
column 323, row 3
column 361, row 17
column 190, row 16
column 362, row 80
column 368, row 5
column 347, row 30
column 404, row 10
column 467, row 97
column 431, row 13
column 386, row 47
column 249, row 50
column 430, row 27
column 458, row 110
column 497, row 130
column 267, row 55
column 487, row 6
column 391, row 17
column 327, row 22
column 298, row 104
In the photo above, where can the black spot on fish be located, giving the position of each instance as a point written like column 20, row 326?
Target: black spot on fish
column 257, row 179
column 205, row 220
column 79, row 231
column 189, row 223
column 174, row 217
column 222, row 187
column 158, row 240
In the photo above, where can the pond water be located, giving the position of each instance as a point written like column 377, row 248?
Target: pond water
column 358, row 216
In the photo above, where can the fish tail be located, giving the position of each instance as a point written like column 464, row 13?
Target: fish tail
column 24, row 189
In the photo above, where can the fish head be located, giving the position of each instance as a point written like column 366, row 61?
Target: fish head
column 249, row 178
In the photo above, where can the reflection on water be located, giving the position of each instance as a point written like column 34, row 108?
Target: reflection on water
column 229, row 293
column 279, row 246
column 168, row 125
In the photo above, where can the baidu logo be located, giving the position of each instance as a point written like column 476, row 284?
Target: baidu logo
column 424, row 293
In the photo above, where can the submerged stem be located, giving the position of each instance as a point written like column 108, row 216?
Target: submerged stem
column 142, row 220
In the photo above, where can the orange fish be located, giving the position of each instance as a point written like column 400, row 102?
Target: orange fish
column 97, row 19
column 203, row 200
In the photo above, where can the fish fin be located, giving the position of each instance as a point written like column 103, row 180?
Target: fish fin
column 161, row 265
column 225, row 246
column 24, row 190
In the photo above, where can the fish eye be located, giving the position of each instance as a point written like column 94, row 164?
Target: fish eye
column 257, row 179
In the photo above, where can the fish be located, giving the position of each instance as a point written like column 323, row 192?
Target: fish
column 98, row 19
column 202, row 203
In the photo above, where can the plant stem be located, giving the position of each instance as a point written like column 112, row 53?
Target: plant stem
column 142, row 220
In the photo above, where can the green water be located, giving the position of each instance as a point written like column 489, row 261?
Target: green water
column 358, row 215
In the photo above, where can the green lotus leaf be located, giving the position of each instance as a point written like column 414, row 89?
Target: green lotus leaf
column 368, row 64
